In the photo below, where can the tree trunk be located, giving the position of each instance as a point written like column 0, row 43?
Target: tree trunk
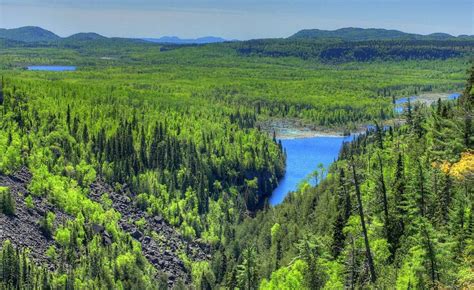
column 431, row 255
column 373, row 276
column 384, row 192
column 422, row 189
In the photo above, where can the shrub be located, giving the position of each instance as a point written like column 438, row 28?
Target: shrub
column 29, row 202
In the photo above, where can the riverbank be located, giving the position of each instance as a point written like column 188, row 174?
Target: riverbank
column 429, row 98
column 297, row 129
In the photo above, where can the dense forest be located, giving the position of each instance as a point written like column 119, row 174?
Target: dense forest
column 338, row 51
column 148, row 167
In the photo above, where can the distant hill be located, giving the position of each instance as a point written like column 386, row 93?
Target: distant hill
column 28, row 34
column 85, row 36
column 363, row 34
column 177, row 40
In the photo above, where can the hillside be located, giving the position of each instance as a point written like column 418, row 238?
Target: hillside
column 85, row 36
column 28, row 34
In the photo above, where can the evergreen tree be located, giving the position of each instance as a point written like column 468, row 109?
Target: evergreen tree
column 344, row 206
column 7, row 201
column 247, row 271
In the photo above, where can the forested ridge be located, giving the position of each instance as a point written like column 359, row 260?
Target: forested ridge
column 177, row 171
column 147, row 168
column 338, row 51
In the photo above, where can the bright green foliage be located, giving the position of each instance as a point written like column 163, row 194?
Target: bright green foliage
column 175, row 159
column 10, row 149
column 203, row 277
column 85, row 173
column 412, row 271
column 291, row 278
column 215, row 221
column 63, row 237
column 29, row 202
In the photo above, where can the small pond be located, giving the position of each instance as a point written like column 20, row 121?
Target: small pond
column 51, row 68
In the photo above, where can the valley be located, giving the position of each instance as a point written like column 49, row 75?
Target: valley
column 260, row 164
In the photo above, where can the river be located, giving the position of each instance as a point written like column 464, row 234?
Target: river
column 305, row 153
column 303, row 157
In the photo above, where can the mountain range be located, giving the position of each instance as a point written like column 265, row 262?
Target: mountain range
column 38, row 34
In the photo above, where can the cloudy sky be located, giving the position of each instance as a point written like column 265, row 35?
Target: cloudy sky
column 235, row 19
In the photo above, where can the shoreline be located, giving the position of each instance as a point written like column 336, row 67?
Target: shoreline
column 312, row 134
column 287, row 129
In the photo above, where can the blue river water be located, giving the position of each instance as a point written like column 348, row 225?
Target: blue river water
column 303, row 157
column 51, row 68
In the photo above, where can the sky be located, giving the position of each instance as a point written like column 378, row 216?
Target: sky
column 235, row 19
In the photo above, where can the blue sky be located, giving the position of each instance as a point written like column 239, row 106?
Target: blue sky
column 243, row 19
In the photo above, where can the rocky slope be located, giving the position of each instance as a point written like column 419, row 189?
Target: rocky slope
column 161, row 244
column 23, row 228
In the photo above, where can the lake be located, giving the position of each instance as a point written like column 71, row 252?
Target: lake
column 51, row 68
column 303, row 157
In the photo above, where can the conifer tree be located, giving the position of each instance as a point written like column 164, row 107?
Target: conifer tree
column 7, row 201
